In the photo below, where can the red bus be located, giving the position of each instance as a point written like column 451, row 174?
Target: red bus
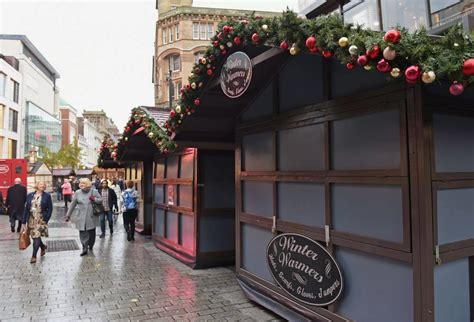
column 11, row 169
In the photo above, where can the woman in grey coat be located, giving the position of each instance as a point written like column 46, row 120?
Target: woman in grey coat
column 83, row 217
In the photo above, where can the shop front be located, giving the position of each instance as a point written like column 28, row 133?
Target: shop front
column 353, row 190
column 187, row 194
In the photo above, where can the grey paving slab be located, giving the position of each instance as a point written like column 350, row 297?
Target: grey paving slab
column 119, row 281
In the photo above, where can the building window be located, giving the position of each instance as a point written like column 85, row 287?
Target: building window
column 437, row 5
column 176, row 28
column 171, row 91
column 203, row 31
column 178, row 88
column 407, row 13
column 13, row 121
column 175, row 63
column 12, row 149
column 195, row 30
column 164, row 36
column 171, row 34
column 210, row 30
column 362, row 12
column 16, row 91
column 3, row 79
column 2, row 116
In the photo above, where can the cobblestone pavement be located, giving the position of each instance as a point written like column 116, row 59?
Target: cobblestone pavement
column 119, row 281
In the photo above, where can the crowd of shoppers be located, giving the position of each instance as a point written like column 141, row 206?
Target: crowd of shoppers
column 82, row 199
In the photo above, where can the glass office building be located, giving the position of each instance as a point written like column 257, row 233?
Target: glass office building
column 42, row 130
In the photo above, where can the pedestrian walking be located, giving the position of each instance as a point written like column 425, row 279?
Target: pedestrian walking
column 38, row 210
column 120, row 183
column 67, row 192
column 130, row 210
column 59, row 190
column 109, row 201
column 84, row 218
column 118, row 193
column 15, row 203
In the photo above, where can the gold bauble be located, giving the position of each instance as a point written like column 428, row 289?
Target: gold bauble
column 178, row 109
column 343, row 42
column 293, row 51
column 428, row 77
column 367, row 67
column 265, row 27
column 353, row 50
column 395, row 72
column 193, row 85
column 203, row 61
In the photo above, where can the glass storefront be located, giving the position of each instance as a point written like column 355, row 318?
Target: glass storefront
column 42, row 130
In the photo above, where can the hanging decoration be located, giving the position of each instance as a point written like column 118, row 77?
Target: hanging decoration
column 418, row 56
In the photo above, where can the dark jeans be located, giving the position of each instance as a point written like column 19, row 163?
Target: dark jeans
column 37, row 243
column 129, row 217
column 110, row 219
column 87, row 238
column 59, row 195
column 67, row 198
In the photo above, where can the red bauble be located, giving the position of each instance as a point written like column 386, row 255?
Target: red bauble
column 350, row 66
column 362, row 60
column 255, row 37
column 226, row 29
column 383, row 66
column 412, row 74
column 172, row 112
column 284, row 45
column 327, row 54
column 215, row 43
column 224, row 52
column 137, row 121
column 209, row 72
column 310, row 42
column 197, row 102
column 468, row 67
column 188, row 87
column 212, row 58
column 456, row 89
column 237, row 40
column 392, row 36
column 197, row 71
column 373, row 53
column 314, row 50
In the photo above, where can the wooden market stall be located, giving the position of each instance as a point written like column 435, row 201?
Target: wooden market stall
column 372, row 174
column 188, row 194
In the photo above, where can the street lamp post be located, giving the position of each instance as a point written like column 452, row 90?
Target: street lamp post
column 170, row 94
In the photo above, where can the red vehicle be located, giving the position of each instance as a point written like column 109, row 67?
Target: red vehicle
column 11, row 169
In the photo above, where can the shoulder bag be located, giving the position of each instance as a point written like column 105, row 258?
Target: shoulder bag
column 97, row 208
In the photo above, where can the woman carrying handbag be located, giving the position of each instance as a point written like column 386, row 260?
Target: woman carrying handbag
column 85, row 218
column 38, row 210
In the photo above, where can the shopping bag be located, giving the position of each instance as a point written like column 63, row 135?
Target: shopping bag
column 24, row 240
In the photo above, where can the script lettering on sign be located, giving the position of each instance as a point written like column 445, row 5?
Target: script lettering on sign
column 236, row 74
column 304, row 269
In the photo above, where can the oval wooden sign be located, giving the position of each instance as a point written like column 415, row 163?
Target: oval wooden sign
column 236, row 74
column 304, row 269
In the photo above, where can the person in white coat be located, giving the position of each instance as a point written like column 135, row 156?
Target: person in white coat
column 118, row 192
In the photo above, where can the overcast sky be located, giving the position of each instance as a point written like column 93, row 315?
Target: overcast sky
column 102, row 49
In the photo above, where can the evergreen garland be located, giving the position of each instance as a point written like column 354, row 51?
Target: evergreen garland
column 417, row 55
column 139, row 119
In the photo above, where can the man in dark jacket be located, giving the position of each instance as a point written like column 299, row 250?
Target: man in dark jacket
column 15, row 203
column 109, row 200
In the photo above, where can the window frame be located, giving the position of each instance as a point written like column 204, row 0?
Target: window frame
column 177, row 31
column 196, row 30
column 15, row 91
column 13, row 120
column 164, row 36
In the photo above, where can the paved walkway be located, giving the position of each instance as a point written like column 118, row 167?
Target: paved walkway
column 120, row 281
